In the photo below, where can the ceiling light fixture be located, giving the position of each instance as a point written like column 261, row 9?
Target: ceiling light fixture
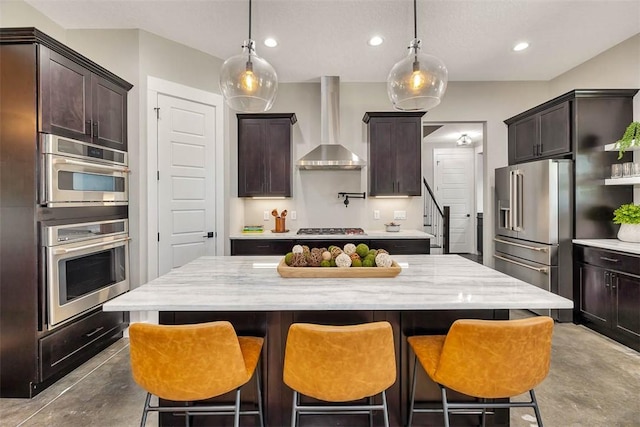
column 270, row 42
column 375, row 41
column 247, row 81
column 464, row 140
column 520, row 46
column 418, row 81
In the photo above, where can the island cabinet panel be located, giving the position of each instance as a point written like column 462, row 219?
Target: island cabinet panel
column 80, row 104
column 402, row 246
column 264, row 155
column 608, row 285
column 394, row 153
column 260, row 247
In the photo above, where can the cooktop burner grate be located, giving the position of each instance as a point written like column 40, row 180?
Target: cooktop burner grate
column 331, row 230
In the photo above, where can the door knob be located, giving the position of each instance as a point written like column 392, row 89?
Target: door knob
column 468, row 215
column 209, row 235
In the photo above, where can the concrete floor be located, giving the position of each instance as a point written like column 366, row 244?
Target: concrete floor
column 594, row 382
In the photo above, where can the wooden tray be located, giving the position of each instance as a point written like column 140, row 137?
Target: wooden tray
column 323, row 272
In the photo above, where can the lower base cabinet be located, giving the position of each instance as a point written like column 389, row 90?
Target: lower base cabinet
column 608, row 287
column 282, row 246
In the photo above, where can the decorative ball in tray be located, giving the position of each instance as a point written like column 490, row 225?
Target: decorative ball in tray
column 350, row 261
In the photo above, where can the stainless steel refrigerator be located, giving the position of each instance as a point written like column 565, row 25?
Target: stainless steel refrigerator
column 534, row 226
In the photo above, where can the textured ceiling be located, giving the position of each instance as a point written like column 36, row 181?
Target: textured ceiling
column 328, row 37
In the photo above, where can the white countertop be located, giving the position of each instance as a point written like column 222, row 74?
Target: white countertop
column 613, row 244
column 251, row 283
column 369, row 234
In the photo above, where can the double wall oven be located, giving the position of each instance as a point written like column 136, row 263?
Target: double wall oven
column 85, row 255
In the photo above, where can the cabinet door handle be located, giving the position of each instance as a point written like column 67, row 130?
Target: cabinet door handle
column 95, row 331
column 604, row 258
column 96, row 132
column 88, row 128
column 540, row 149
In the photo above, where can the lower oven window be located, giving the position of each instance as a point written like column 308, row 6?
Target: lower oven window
column 83, row 181
column 85, row 274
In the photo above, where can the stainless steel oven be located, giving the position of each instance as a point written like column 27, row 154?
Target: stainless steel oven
column 76, row 173
column 85, row 265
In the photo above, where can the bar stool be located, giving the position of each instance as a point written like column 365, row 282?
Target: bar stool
column 186, row 363
column 485, row 359
column 339, row 364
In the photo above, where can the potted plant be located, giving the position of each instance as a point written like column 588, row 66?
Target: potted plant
column 628, row 216
column 631, row 138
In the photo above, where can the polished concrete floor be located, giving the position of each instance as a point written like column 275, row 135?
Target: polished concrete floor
column 594, row 382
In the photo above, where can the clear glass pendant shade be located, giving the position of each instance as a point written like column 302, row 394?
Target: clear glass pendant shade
column 418, row 81
column 248, row 82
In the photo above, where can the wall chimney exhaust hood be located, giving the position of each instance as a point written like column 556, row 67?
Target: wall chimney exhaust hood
column 330, row 155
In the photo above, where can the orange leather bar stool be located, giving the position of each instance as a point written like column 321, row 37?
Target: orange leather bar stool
column 186, row 363
column 339, row 364
column 486, row 359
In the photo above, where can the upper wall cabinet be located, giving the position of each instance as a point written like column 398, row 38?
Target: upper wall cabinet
column 573, row 123
column 264, row 155
column 394, row 153
column 541, row 135
column 81, row 104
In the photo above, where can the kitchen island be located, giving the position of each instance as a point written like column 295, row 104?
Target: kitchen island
column 425, row 298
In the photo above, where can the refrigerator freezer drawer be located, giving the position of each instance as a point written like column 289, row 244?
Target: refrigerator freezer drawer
column 536, row 252
column 536, row 274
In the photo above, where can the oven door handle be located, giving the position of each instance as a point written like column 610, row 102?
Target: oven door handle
column 62, row 251
column 544, row 270
column 91, row 165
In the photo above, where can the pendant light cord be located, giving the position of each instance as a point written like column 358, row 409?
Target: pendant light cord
column 415, row 19
column 249, row 19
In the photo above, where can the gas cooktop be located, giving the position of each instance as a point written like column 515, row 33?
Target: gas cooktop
column 321, row 231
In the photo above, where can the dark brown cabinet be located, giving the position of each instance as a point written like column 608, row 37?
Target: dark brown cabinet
column 608, row 286
column 282, row 246
column 264, row 154
column 47, row 87
column 541, row 135
column 80, row 104
column 394, row 153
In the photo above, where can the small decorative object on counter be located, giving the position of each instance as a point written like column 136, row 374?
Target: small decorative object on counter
column 393, row 227
column 628, row 216
column 253, row 229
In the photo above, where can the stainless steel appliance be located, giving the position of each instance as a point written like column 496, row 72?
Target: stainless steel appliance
column 85, row 265
column 75, row 173
column 331, row 231
column 534, row 226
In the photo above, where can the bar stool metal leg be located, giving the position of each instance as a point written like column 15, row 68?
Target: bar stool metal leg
column 145, row 411
column 370, row 400
column 385, row 409
column 236, row 414
column 445, row 406
column 413, row 391
column 535, row 407
column 258, row 375
column 294, row 409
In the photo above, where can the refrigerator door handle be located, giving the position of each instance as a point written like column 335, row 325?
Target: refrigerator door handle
column 533, row 248
column 517, row 200
column 544, row 270
column 509, row 226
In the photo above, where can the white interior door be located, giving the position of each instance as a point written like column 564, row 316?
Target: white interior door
column 454, row 182
column 186, row 184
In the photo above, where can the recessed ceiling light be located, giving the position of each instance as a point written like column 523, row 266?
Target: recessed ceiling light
column 270, row 42
column 375, row 41
column 521, row 46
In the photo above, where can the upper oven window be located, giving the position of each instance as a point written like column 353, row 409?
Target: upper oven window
column 75, row 173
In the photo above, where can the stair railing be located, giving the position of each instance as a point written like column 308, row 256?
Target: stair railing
column 436, row 219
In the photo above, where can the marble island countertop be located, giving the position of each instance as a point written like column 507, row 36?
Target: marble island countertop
column 612, row 244
column 369, row 234
column 251, row 283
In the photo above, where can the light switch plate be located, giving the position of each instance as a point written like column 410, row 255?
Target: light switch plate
column 399, row 214
column 376, row 214
column 265, row 215
column 294, row 215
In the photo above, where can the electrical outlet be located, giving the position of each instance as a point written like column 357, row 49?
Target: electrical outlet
column 376, row 214
column 399, row 214
column 265, row 215
column 294, row 215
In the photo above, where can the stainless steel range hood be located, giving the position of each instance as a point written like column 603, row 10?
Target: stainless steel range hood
column 330, row 155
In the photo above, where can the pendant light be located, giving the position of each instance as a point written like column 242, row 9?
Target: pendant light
column 464, row 140
column 247, row 81
column 419, row 80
